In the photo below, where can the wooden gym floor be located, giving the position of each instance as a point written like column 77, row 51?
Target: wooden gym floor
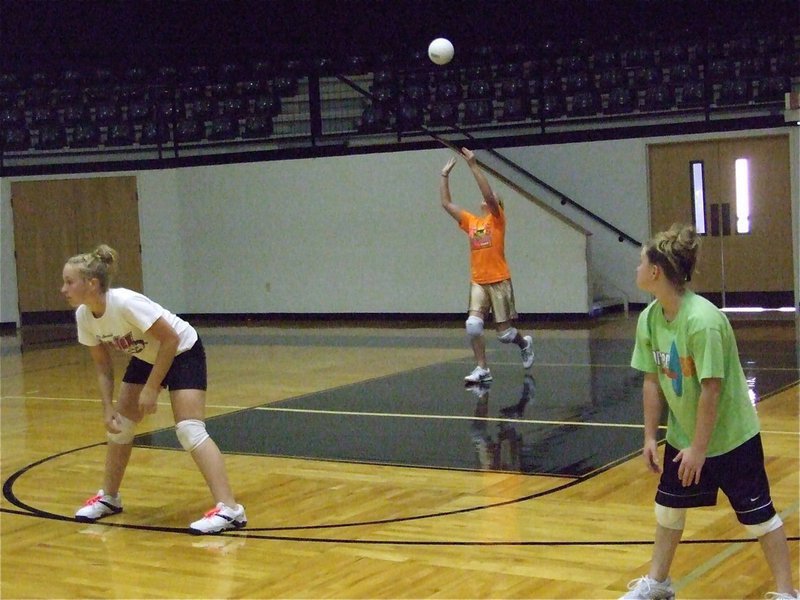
column 368, row 470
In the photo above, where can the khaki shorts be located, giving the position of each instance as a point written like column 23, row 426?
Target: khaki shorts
column 497, row 298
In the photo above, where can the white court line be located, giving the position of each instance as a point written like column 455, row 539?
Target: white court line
column 395, row 415
column 735, row 547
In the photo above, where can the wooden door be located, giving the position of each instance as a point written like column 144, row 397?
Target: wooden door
column 733, row 269
column 56, row 219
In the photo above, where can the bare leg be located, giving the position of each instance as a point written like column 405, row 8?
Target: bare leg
column 776, row 551
column 478, row 343
column 190, row 404
column 666, row 544
column 118, row 455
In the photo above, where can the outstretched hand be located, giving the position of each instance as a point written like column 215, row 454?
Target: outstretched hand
column 468, row 155
column 449, row 166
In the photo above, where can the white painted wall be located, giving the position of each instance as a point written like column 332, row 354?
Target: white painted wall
column 365, row 233
column 361, row 234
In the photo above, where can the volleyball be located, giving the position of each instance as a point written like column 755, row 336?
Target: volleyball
column 441, row 51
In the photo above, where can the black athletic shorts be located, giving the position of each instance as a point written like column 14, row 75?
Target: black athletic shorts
column 188, row 370
column 740, row 474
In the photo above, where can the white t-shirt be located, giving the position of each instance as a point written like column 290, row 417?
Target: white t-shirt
column 125, row 322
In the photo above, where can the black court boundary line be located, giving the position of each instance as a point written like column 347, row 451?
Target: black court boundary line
column 27, row 510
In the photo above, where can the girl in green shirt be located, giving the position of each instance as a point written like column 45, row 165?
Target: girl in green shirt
column 687, row 350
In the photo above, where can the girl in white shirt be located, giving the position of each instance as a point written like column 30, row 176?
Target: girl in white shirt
column 165, row 352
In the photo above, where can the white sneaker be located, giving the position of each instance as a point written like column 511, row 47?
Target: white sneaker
column 220, row 518
column 478, row 375
column 99, row 506
column 783, row 595
column 646, row 588
column 527, row 352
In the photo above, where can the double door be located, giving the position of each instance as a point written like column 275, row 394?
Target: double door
column 746, row 251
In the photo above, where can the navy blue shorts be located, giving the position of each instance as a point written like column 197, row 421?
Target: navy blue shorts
column 740, row 474
column 188, row 370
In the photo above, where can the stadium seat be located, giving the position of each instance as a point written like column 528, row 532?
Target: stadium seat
column 257, row 126
column 120, row 133
column 672, row 53
column 154, row 132
column 620, row 101
column 578, row 81
column 11, row 117
column 773, row 89
column 646, row 77
column 233, row 106
column 681, row 73
column 552, row 106
column 189, row 130
column 611, row 78
column 202, row 108
column 267, row 104
column 85, row 135
column 658, row 97
column 106, row 113
column 223, row 127
column 52, row 136
column 516, row 108
column 448, row 92
column 480, row 88
column 15, row 139
column 584, row 104
column 43, row 114
column 75, row 113
column 692, row 95
column 139, row 111
column 410, row 116
column 606, row 59
column 416, row 94
column 735, row 91
column 477, row 111
column 285, row 86
column 719, row 70
column 444, row 113
column 513, row 88
column 374, row 119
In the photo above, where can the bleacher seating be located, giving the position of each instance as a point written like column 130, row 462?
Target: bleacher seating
column 492, row 86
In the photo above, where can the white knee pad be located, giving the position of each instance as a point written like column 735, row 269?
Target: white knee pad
column 474, row 326
column 126, row 428
column 508, row 336
column 191, row 433
column 764, row 528
column 671, row 518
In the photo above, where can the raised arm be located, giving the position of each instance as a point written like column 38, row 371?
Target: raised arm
column 444, row 191
column 483, row 183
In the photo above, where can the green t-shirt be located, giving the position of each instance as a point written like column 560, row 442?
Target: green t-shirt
column 698, row 344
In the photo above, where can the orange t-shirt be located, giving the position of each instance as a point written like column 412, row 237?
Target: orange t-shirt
column 486, row 247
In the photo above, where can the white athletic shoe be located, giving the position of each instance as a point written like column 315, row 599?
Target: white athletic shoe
column 782, row 595
column 220, row 518
column 99, row 506
column 527, row 352
column 478, row 375
column 646, row 588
